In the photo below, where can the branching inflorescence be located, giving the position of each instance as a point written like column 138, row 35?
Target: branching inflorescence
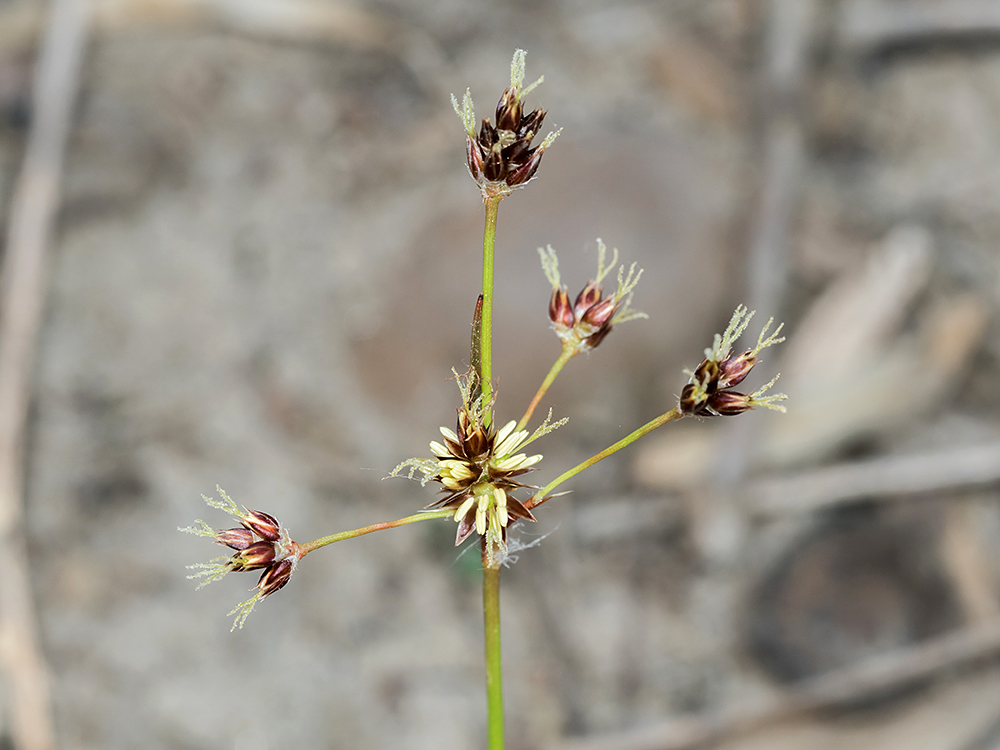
column 478, row 465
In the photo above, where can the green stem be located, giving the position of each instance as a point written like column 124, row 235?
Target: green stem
column 542, row 495
column 568, row 353
column 491, row 570
column 325, row 540
column 494, row 673
column 486, row 334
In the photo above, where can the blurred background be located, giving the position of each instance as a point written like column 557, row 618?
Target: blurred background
column 263, row 268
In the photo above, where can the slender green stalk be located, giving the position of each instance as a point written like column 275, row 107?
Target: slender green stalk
column 494, row 672
column 424, row 516
column 542, row 495
column 486, row 334
column 568, row 353
column 491, row 570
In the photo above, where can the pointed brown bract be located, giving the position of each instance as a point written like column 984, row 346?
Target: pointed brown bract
column 599, row 314
column 735, row 369
column 589, row 296
column 560, row 310
column 275, row 577
column 258, row 555
column 728, row 403
column 518, row 510
column 263, row 524
column 236, row 538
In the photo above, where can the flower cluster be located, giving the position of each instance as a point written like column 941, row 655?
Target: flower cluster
column 260, row 543
column 709, row 388
column 501, row 157
column 477, row 465
column 583, row 324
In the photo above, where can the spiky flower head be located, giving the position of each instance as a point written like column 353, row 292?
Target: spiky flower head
column 477, row 466
column 260, row 543
column 709, row 393
column 501, row 157
column 583, row 324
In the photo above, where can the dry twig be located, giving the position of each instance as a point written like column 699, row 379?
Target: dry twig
column 295, row 21
column 847, row 686
column 790, row 32
column 872, row 25
column 877, row 478
column 32, row 214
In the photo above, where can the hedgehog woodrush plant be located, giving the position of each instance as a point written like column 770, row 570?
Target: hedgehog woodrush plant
column 482, row 462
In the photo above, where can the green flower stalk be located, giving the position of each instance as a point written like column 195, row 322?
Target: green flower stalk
column 583, row 324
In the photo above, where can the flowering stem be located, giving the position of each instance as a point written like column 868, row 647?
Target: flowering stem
column 491, row 571
column 323, row 541
column 568, row 353
column 486, row 334
column 542, row 495
column 494, row 673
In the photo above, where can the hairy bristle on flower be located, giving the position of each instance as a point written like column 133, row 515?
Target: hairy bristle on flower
column 723, row 343
column 242, row 611
column 550, row 265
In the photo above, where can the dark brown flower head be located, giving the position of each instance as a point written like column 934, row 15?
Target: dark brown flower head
column 262, row 543
column 584, row 324
column 477, row 466
column 501, row 156
column 708, row 391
